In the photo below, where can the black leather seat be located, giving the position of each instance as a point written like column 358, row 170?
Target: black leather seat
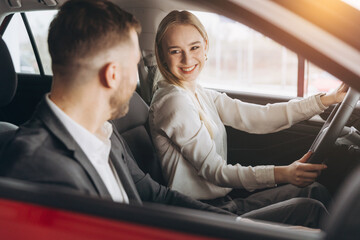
column 134, row 129
column 8, row 85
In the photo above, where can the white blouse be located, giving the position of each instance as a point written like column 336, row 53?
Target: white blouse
column 193, row 162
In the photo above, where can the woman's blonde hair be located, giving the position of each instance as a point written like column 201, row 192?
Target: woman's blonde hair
column 174, row 17
column 183, row 18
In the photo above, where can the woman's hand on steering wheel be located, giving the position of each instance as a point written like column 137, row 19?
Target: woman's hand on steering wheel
column 299, row 173
column 335, row 96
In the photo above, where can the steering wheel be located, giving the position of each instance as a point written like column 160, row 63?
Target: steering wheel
column 333, row 126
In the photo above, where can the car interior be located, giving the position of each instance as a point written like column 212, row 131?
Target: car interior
column 133, row 128
column 20, row 93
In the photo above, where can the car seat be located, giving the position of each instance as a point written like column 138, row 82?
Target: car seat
column 8, row 85
column 133, row 127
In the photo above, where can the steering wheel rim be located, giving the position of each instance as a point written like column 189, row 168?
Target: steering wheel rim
column 333, row 126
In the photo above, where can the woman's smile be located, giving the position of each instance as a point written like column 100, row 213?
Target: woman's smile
column 188, row 70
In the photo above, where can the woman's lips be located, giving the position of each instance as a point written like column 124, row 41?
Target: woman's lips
column 188, row 70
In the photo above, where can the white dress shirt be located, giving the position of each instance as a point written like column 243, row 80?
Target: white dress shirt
column 97, row 149
column 193, row 162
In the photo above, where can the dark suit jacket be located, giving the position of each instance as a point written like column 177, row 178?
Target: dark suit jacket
column 43, row 151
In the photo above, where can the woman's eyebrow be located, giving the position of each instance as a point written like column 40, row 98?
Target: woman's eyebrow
column 190, row 44
column 170, row 47
column 193, row 43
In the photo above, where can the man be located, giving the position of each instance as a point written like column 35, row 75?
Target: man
column 69, row 142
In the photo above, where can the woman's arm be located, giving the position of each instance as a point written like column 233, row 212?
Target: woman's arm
column 254, row 118
column 261, row 119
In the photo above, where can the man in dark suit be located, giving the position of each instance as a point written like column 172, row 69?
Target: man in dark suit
column 70, row 143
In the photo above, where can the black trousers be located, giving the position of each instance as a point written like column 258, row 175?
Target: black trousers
column 286, row 204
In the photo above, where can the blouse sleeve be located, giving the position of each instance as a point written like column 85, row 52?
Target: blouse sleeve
column 178, row 119
column 261, row 119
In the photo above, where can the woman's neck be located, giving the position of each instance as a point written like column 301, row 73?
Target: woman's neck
column 190, row 86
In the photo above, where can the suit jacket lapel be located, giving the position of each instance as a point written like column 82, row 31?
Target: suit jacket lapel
column 58, row 129
column 117, row 156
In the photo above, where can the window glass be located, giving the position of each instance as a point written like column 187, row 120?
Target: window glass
column 18, row 42
column 319, row 80
column 240, row 58
column 39, row 23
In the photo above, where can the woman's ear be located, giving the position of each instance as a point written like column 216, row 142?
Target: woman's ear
column 111, row 74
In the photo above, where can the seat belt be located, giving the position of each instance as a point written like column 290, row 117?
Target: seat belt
column 148, row 74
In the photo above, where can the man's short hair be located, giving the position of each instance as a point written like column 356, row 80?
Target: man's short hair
column 84, row 28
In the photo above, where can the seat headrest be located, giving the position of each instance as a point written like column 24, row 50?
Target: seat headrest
column 137, row 115
column 8, row 77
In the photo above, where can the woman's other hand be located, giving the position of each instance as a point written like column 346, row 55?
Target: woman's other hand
column 299, row 173
column 335, row 96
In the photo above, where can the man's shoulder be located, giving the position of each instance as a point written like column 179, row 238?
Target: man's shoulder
column 30, row 139
column 32, row 133
column 33, row 152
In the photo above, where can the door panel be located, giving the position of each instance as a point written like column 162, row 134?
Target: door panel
column 278, row 148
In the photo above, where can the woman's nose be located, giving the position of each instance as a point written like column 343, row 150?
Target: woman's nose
column 185, row 58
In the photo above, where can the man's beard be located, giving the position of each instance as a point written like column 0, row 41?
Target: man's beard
column 118, row 110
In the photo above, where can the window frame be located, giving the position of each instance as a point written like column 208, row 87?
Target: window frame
column 33, row 44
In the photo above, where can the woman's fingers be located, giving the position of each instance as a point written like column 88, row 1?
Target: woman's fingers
column 341, row 92
column 305, row 157
column 304, row 173
column 308, row 175
column 309, row 167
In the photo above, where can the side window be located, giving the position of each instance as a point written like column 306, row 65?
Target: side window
column 242, row 59
column 39, row 23
column 19, row 44
column 319, row 80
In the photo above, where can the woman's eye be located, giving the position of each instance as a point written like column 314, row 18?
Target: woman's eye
column 174, row 52
column 195, row 47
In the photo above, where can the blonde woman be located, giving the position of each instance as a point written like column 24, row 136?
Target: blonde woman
column 187, row 127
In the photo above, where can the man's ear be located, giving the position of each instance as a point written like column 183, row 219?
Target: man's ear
column 111, row 75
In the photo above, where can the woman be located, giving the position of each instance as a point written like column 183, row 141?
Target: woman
column 187, row 126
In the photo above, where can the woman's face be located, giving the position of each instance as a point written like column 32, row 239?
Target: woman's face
column 184, row 50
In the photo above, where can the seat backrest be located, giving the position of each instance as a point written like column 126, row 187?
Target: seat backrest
column 8, row 85
column 134, row 129
column 8, row 75
column 7, row 130
column 344, row 221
